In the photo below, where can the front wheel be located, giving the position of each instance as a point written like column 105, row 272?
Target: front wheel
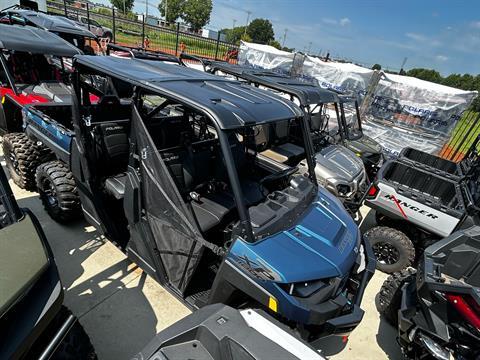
column 58, row 191
column 390, row 296
column 392, row 248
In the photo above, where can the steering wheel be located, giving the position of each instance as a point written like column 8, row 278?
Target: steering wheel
column 278, row 175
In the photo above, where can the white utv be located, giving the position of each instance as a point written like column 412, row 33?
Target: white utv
column 420, row 198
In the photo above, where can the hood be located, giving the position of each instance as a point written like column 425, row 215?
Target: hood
column 338, row 162
column 324, row 243
column 363, row 145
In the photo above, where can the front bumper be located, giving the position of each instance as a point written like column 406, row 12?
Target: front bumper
column 339, row 316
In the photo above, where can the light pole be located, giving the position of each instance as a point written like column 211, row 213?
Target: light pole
column 309, row 47
column 234, row 21
column 248, row 19
column 284, row 37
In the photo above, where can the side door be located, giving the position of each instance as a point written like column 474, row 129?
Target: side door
column 81, row 165
column 164, row 236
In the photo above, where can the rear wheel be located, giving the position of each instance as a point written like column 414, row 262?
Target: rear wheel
column 392, row 248
column 22, row 157
column 58, row 191
column 390, row 295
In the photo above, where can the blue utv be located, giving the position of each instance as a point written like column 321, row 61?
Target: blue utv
column 166, row 167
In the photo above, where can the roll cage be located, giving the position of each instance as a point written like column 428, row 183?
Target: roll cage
column 140, row 53
column 27, row 39
column 310, row 96
column 208, row 95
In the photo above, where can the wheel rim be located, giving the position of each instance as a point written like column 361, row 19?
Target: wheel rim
column 50, row 192
column 12, row 159
column 386, row 253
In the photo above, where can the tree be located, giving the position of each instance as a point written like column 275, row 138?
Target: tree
column 174, row 9
column 261, row 31
column 234, row 35
column 197, row 13
column 377, row 67
column 125, row 6
column 426, row 74
column 275, row 44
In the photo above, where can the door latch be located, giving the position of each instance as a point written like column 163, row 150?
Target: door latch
column 144, row 153
column 87, row 120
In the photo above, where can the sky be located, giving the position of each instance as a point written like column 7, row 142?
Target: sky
column 439, row 34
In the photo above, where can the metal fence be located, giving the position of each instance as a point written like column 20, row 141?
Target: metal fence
column 111, row 25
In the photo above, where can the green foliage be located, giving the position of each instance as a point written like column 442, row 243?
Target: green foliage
column 245, row 37
column 426, row 74
column 377, row 67
column 124, row 6
column 464, row 82
column 175, row 9
column 261, row 31
column 275, row 44
column 197, row 13
column 234, row 35
column 104, row 11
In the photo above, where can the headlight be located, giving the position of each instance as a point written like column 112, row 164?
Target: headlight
column 343, row 189
column 304, row 289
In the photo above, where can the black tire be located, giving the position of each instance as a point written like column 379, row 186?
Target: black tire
column 22, row 157
column 58, row 191
column 75, row 345
column 390, row 295
column 392, row 248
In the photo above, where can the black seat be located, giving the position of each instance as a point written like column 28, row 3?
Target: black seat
column 112, row 148
column 115, row 185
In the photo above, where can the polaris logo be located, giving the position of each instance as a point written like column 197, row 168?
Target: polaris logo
column 411, row 207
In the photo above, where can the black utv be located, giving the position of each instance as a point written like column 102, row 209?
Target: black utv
column 33, row 322
column 437, row 308
column 166, row 166
column 67, row 29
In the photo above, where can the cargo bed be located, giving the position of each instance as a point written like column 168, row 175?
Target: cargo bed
column 425, row 187
column 431, row 163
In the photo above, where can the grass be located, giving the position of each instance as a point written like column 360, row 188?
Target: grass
column 463, row 136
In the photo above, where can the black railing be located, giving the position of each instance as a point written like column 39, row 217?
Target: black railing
column 138, row 31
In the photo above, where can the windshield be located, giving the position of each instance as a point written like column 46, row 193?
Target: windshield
column 352, row 123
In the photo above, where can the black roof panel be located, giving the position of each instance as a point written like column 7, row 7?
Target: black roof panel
column 58, row 24
column 34, row 40
column 307, row 92
column 231, row 103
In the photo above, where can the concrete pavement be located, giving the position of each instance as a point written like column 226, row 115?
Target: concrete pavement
column 122, row 308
